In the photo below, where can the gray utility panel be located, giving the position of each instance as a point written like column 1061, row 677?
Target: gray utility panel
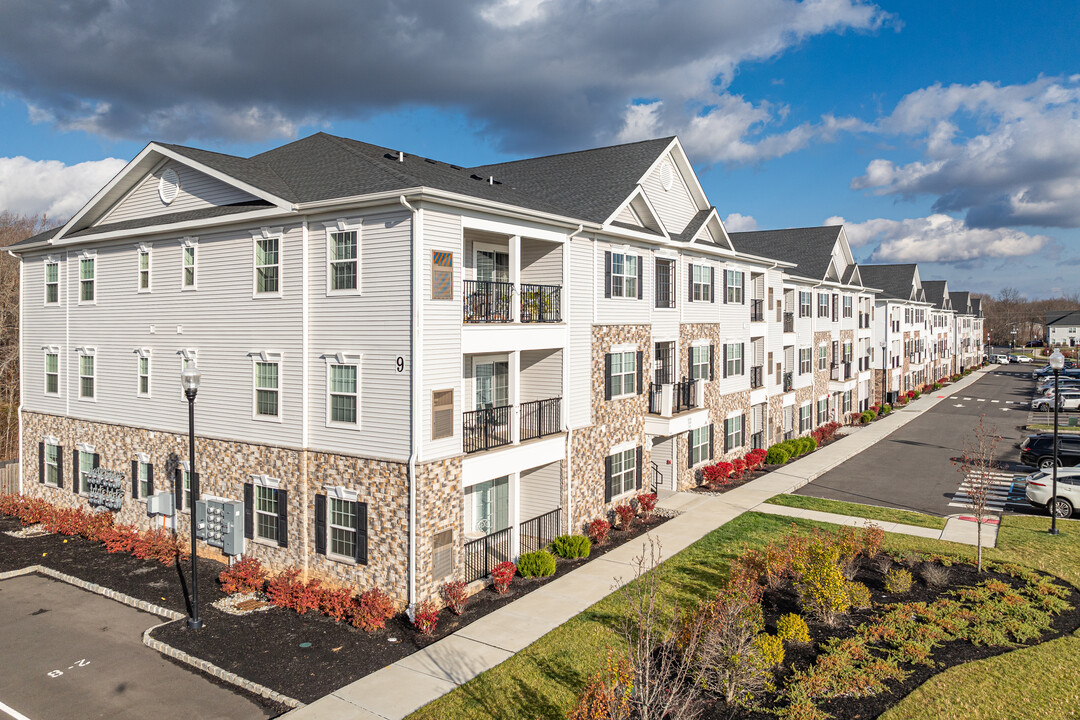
column 220, row 524
column 105, row 488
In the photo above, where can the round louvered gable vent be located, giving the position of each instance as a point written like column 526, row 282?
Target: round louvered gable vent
column 666, row 176
column 169, row 186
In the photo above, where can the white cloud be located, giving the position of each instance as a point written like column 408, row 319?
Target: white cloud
column 1019, row 166
column 35, row 187
column 938, row 238
column 737, row 222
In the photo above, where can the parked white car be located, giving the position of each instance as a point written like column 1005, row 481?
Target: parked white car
column 1069, row 400
column 1000, row 359
column 1023, row 359
column 1040, row 490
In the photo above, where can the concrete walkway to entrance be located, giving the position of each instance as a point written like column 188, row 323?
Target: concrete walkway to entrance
column 410, row 683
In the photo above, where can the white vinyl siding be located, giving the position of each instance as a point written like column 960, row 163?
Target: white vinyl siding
column 674, row 206
column 585, row 283
column 197, row 191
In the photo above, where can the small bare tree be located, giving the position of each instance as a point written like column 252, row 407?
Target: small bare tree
column 978, row 464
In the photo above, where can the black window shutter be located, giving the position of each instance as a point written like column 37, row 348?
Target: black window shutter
column 97, row 460
column 60, row 467
column 725, row 286
column 361, row 532
column 742, row 287
column 607, row 479
column 742, row 358
column 41, row 462
column 283, row 518
column 178, row 488
column 723, row 358
column 742, row 429
column 640, row 371
column 607, row 274
column 135, row 479
column 640, row 469
column 75, row 471
column 150, row 479
column 607, row 376
column 690, row 282
column 640, row 278
column 249, row 510
column 320, row 524
column 727, row 435
column 690, row 449
column 712, row 360
column 712, row 440
column 712, row 285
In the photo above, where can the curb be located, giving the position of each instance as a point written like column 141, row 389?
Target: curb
column 157, row 645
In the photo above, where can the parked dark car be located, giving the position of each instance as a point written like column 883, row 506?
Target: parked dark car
column 1038, row 451
column 1035, row 343
column 1070, row 370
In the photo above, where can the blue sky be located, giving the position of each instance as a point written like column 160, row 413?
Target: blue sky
column 946, row 133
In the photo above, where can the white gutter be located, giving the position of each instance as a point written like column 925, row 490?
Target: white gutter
column 22, row 372
column 414, row 394
column 304, row 374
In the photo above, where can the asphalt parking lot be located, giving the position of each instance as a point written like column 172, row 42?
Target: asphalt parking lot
column 71, row 654
column 913, row 467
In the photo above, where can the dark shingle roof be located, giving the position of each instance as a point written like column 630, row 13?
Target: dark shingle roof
column 40, row 237
column 976, row 306
column 810, row 248
column 960, row 301
column 216, row 211
column 692, row 227
column 935, row 292
column 1067, row 318
column 894, row 280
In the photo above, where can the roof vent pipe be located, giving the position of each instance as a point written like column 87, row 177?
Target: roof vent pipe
column 400, row 156
column 491, row 179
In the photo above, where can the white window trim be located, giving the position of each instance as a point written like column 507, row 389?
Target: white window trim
column 700, row 344
column 618, row 350
column 341, row 358
column 193, row 243
column 342, row 225
column 50, row 441
column 704, row 429
column 709, row 286
column 627, row 252
column 51, row 350
column 330, row 554
column 266, row 357
column 86, row 352
column 620, row 449
column 139, row 250
column 51, row 260
column 731, row 275
column 268, row 233
column 143, row 354
column 86, row 255
column 264, row 481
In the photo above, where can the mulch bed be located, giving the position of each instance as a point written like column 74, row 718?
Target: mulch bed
column 302, row 656
column 949, row 654
column 751, row 476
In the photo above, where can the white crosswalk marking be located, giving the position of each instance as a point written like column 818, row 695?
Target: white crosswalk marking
column 1004, row 490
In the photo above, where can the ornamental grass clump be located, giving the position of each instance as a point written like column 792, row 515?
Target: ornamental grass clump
column 536, row 564
column 935, row 576
column 571, row 546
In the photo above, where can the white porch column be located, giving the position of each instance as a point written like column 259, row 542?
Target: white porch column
column 515, row 515
column 513, row 390
column 515, row 277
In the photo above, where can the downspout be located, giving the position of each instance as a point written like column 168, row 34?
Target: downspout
column 304, row 373
column 414, row 399
column 22, row 373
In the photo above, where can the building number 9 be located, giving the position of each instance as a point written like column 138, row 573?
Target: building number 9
column 400, row 364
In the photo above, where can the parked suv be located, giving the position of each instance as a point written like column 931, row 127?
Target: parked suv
column 1038, row 451
column 1040, row 490
column 1067, row 400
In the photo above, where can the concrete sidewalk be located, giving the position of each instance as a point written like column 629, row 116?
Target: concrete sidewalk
column 410, row 683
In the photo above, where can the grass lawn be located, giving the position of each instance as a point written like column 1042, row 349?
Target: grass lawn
column 1062, row 429
column 543, row 681
column 872, row 512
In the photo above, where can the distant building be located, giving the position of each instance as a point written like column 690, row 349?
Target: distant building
column 1063, row 327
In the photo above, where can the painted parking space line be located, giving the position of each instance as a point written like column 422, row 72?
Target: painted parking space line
column 13, row 713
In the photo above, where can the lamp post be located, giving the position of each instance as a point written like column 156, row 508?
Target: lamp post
column 189, row 379
column 1057, row 362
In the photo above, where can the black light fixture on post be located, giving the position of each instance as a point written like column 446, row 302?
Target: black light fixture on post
column 189, row 379
column 1057, row 363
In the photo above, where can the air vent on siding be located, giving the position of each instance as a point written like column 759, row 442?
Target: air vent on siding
column 168, row 186
column 666, row 176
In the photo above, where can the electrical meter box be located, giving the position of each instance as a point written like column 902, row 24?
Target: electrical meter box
column 160, row 504
column 105, row 488
column 220, row 523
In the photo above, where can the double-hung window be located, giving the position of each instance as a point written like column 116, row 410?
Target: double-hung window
column 823, row 357
column 185, row 496
column 144, row 479
column 342, row 528
column 823, row 305
column 624, row 275
column 804, row 419
column 86, row 279
column 52, row 464
column 52, row 282
column 267, row 265
column 52, row 373
column 266, row 513
column 703, row 283
column 700, row 445
column 847, row 306
column 343, row 394
column 804, row 304
column 344, row 261
column 822, row 411
column 86, row 465
column 699, row 362
column 267, row 388
column 189, row 252
column 734, row 359
column 734, row 287
column 623, row 373
column 623, row 472
column 144, row 375
column 733, row 433
column 144, row 269
column 806, row 360
column 86, row 376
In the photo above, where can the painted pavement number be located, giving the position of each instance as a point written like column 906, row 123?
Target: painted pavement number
column 78, row 664
column 1005, row 490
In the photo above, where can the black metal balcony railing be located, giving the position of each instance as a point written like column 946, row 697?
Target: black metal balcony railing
column 789, row 381
column 541, row 303
column 488, row 301
column 683, row 397
column 487, row 428
column 483, row 554
column 757, row 376
column 757, row 311
column 841, row 371
column 757, row 440
column 540, row 418
column 789, row 322
column 538, row 533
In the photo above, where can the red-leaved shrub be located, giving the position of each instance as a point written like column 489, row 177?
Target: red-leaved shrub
column 426, row 617
column 373, row 609
column 244, row 576
column 501, row 575
column 287, row 590
column 599, row 530
column 738, row 467
column 755, row 459
column 647, row 504
column 454, row 595
column 160, row 545
column 338, row 603
column 717, row 474
column 626, row 515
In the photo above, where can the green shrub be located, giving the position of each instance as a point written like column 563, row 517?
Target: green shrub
column 823, row 589
column 792, row 628
column 897, row 580
column 867, row 416
column 918, row 394
column 777, row 455
column 886, row 409
column 858, row 595
column 770, row 649
column 572, row 546
column 536, row 564
column 811, row 443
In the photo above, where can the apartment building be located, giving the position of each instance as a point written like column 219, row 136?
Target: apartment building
column 901, row 328
column 941, row 361
column 968, row 329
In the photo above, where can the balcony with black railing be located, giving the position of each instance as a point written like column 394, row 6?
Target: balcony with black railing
column 757, row 440
column 541, row 303
column 484, row 553
column 789, row 381
column 789, row 322
column 488, row 301
column 684, row 396
column 541, row 418
column 757, row 310
column 487, row 428
column 757, row 376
